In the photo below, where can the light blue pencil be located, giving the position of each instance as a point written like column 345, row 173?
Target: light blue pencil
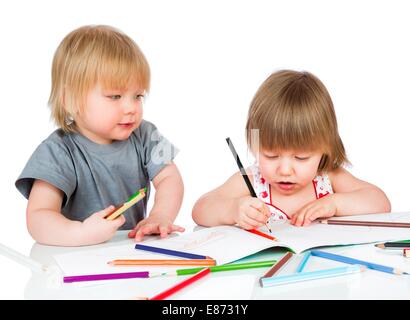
column 302, row 264
column 312, row 275
column 370, row 265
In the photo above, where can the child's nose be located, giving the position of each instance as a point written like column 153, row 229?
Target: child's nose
column 130, row 106
column 285, row 168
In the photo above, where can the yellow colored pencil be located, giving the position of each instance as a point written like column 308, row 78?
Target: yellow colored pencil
column 163, row 262
column 130, row 202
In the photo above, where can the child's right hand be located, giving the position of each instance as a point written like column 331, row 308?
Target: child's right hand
column 97, row 229
column 251, row 213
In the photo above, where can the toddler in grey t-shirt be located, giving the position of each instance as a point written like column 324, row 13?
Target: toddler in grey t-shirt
column 103, row 150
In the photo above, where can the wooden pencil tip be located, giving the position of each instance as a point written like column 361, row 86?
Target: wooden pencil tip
column 323, row 221
column 399, row 272
column 363, row 268
column 380, row 245
column 156, row 274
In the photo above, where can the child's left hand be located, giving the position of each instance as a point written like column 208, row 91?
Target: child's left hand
column 321, row 208
column 154, row 225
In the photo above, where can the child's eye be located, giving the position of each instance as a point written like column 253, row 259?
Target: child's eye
column 115, row 97
column 271, row 156
column 301, row 158
column 139, row 97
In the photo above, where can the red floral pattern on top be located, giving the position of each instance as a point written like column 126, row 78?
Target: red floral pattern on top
column 321, row 184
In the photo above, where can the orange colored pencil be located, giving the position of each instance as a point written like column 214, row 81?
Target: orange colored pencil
column 162, row 262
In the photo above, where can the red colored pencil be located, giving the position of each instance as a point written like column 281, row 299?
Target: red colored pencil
column 181, row 285
column 259, row 233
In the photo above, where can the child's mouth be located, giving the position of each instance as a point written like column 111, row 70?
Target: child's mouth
column 126, row 125
column 286, row 185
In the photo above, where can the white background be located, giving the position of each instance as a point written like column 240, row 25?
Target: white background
column 208, row 58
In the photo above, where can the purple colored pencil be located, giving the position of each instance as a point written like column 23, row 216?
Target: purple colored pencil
column 108, row 276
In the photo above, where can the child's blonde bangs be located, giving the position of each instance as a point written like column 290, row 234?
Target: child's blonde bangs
column 119, row 71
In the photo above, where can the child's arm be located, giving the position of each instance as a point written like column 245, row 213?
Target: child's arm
column 354, row 196
column 169, row 191
column 351, row 196
column 230, row 204
column 47, row 225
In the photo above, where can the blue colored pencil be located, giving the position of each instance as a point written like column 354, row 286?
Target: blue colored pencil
column 312, row 275
column 170, row 252
column 302, row 264
column 349, row 260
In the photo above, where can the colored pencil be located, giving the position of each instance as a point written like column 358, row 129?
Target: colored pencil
column 110, row 276
column 277, row 266
column 312, row 275
column 303, row 262
column 157, row 262
column 393, row 245
column 344, row 259
column 170, row 252
column 260, row 233
column 224, row 267
column 406, row 253
column 137, row 196
column 243, row 172
column 22, row 259
column 366, row 223
column 181, row 285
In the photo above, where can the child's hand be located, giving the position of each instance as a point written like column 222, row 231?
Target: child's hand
column 97, row 229
column 251, row 213
column 321, row 208
column 154, row 225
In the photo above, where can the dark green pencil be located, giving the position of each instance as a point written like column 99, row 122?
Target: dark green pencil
column 394, row 245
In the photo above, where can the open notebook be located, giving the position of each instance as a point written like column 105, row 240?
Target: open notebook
column 228, row 243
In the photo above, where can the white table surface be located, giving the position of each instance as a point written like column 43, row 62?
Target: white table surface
column 369, row 284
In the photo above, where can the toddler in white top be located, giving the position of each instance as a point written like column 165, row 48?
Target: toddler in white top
column 299, row 173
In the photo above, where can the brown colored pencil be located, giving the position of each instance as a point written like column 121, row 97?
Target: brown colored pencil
column 367, row 223
column 163, row 262
column 277, row 266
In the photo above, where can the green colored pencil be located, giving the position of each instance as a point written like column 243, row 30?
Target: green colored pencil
column 225, row 267
column 137, row 196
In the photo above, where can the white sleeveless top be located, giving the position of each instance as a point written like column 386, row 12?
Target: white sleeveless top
column 321, row 184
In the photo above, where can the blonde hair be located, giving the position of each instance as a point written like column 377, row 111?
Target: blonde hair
column 293, row 111
column 87, row 56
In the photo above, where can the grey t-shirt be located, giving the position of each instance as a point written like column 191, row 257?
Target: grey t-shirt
column 93, row 176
